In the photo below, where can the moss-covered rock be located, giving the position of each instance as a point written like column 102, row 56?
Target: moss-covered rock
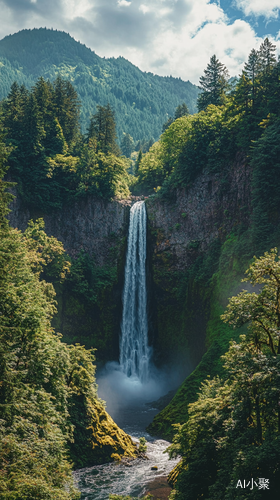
column 96, row 437
column 107, row 439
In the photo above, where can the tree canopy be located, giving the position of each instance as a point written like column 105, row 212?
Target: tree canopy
column 51, row 161
column 231, row 438
column 213, row 84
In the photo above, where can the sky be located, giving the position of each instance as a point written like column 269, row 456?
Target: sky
column 166, row 37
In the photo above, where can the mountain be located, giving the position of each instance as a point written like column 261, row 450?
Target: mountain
column 142, row 101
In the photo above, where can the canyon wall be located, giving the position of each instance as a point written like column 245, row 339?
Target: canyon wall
column 183, row 231
column 186, row 233
column 89, row 302
column 92, row 225
column 211, row 208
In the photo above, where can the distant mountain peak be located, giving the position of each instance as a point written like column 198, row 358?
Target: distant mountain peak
column 141, row 100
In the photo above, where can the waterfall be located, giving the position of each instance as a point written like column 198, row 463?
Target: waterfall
column 134, row 349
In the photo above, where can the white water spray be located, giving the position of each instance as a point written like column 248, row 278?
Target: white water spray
column 134, row 349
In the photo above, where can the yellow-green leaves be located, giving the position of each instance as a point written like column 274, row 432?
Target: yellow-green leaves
column 261, row 311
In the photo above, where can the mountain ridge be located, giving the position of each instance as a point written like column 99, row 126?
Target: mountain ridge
column 142, row 101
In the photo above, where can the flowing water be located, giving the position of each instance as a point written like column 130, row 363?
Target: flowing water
column 134, row 478
column 134, row 349
column 127, row 386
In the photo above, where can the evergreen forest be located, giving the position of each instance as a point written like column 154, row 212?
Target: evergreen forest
column 224, row 420
column 142, row 102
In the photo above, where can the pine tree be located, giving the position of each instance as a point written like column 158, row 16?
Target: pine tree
column 213, row 84
column 268, row 78
column 127, row 145
column 138, row 161
column 181, row 110
column 5, row 197
column 251, row 70
column 67, row 108
column 103, row 128
column 267, row 55
column 167, row 123
column 14, row 111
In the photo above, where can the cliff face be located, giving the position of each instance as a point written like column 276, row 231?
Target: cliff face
column 92, row 225
column 211, row 208
column 183, row 232
column 89, row 306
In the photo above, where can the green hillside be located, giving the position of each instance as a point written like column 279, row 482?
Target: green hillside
column 142, row 101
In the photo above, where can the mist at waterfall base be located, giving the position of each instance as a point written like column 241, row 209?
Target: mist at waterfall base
column 123, row 394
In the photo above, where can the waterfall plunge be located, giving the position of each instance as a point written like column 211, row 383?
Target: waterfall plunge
column 134, row 349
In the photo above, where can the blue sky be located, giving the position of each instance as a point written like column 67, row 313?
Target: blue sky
column 262, row 25
column 166, row 37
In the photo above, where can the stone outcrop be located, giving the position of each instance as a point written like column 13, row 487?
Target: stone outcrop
column 88, row 224
column 211, row 208
column 182, row 229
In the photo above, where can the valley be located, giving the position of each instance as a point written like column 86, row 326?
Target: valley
column 139, row 291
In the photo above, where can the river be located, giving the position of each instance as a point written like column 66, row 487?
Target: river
column 133, row 415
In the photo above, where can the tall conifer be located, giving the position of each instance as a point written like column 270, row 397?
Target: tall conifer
column 213, row 84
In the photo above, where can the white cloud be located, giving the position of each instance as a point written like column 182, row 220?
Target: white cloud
column 266, row 8
column 73, row 9
column 123, row 3
column 167, row 37
column 144, row 8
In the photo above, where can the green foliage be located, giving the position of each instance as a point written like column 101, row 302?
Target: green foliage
column 265, row 160
column 87, row 280
column 5, row 197
column 102, row 129
column 232, row 431
column 34, row 365
column 260, row 310
column 141, row 100
column 127, row 145
column 142, row 445
column 102, row 175
column 46, row 253
column 187, row 147
column 49, row 159
column 41, row 160
column 213, row 84
column 181, row 110
column 49, row 407
column 149, row 169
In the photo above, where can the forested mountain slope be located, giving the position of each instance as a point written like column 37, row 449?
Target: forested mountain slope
column 142, row 101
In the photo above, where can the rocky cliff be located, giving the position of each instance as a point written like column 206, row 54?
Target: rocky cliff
column 211, row 208
column 92, row 225
column 93, row 233
column 186, row 233
column 194, row 238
